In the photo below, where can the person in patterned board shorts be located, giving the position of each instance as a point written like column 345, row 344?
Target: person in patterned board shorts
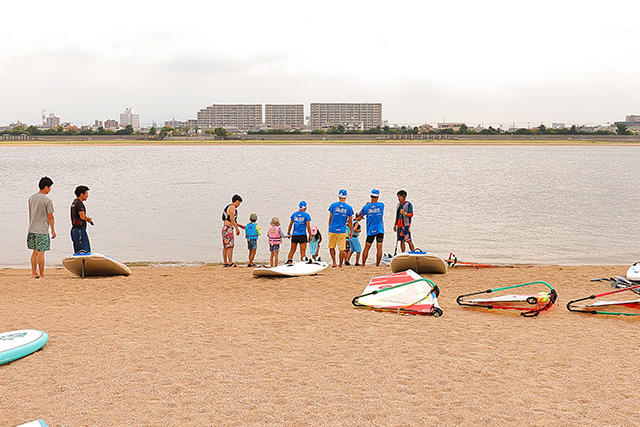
column 40, row 219
column 402, row 227
column 230, row 223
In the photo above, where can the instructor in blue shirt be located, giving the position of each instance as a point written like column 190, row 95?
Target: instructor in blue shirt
column 340, row 213
column 300, row 221
column 374, row 212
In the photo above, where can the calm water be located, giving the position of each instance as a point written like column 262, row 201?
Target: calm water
column 163, row 204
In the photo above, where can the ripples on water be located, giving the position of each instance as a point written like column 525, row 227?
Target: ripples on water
column 535, row 204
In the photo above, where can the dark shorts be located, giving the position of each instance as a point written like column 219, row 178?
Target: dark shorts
column 301, row 238
column 252, row 244
column 404, row 234
column 378, row 238
column 274, row 248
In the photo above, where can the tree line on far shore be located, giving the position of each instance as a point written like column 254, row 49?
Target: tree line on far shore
column 621, row 129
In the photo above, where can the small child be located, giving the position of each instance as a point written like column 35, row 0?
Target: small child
column 354, row 244
column 314, row 243
column 275, row 235
column 252, row 231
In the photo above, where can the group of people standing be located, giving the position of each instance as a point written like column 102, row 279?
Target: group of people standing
column 343, row 226
column 41, row 219
column 343, row 229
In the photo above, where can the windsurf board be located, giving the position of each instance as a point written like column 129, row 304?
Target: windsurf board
column 95, row 264
column 418, row 261
column 301, row 268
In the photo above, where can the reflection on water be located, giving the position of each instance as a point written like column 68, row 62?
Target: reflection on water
column 487, row 203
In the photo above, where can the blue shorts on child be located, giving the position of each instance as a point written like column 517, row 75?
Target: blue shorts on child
column 252, row 244
column 355, row 245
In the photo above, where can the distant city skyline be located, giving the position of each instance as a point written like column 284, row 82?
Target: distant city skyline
column 463, row 61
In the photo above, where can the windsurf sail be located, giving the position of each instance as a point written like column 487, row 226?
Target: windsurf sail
column 403, row 293
column 537, row 302
column 594, row 307
column 453, row 261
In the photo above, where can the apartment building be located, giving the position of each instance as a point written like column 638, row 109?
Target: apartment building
column 284, row 116
column 231, row 116
column 452, row 126
column 130, row 118
column 51, row 121
column 352, row 116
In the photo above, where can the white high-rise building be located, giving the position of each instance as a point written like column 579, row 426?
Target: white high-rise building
column 231, row 116
column 52, row 121
column 129, row 118
column 284, row 116
column 362, row 116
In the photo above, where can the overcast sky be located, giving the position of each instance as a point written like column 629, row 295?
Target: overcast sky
column 489, row 61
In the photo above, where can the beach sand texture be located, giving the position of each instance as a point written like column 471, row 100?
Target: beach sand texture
column 212, row 345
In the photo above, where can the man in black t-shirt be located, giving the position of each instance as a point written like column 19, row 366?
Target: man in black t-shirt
column 79, row 221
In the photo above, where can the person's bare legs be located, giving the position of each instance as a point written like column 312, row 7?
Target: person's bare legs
column 365, row 253
column 411, row 247
column 343, row 255
column 252, row 255
column 402, row 245
column 34, row 264
column 378, row 253
column 227, row 254
column 332, row 251
column 357, row 258
column 292, row 252
column 303, row 250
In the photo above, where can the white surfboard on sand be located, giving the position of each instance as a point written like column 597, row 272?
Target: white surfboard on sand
column 21, row 343
column 36, row 423
column 302, row 268
column 95, row 264
column 420, row 262
column 633, row 273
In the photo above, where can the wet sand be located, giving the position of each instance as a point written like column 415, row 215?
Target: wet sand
column 211, row 345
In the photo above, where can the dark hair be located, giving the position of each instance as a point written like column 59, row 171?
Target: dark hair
column 236, row 198
column 81, row 189
column 402, row 193
column 45, row 181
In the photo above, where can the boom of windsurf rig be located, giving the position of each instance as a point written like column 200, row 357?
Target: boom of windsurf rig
column 537, row 302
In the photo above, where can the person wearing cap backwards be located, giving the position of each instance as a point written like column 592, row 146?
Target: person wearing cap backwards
column 300, row 222
column 340, row 214
column 374, row 212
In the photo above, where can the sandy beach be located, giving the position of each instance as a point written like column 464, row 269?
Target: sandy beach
column 211, row 345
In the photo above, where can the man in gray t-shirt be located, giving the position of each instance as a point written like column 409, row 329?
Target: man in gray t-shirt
column 40, row 218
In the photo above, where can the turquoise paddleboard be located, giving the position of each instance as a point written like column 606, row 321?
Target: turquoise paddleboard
column 17, row 344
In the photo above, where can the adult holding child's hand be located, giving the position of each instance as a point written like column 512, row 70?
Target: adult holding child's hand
column 230, row 221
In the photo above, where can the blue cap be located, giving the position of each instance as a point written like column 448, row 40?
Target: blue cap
column 302, row 204
column 375, row 193
column 342, row 193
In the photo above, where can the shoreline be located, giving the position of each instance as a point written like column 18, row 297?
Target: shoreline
column 394, row 142
column 241, row 266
